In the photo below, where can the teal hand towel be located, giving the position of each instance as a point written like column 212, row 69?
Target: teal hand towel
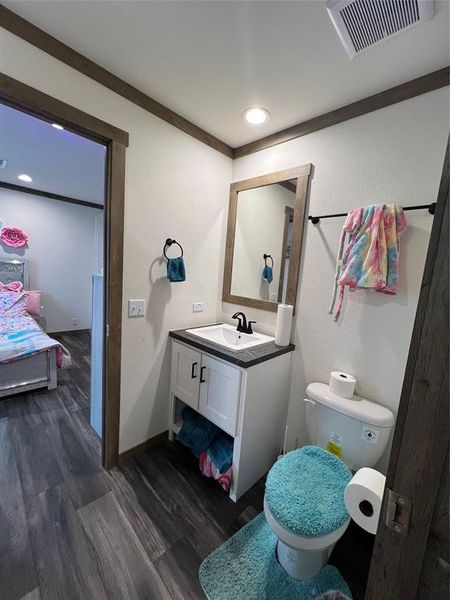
column 197, row 433
column 175, row 269
column 267, row 274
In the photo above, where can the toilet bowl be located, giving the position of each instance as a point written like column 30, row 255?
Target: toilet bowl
column 304, row 506
column 302, row 557
column 304, row 502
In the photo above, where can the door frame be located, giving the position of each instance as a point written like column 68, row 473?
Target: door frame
column 36, row 103
column 421, row 438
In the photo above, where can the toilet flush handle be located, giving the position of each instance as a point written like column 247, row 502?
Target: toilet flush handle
column 311, row 421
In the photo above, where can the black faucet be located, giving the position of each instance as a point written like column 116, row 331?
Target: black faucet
column 243, row 326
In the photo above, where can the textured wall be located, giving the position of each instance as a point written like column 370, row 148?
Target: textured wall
column 62, row 254
column 175, row 187
column 391, row 155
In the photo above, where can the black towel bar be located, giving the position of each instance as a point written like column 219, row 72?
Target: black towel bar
column 431, row 208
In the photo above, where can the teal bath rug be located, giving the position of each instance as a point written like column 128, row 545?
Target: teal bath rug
column 245, row 568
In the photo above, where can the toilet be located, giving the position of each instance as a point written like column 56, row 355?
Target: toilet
column 304, row 501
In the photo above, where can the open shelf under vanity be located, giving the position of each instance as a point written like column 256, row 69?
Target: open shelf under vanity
column 249, row 404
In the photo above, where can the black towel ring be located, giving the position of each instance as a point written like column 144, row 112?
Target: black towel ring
column 169, row 243
column 266, row 256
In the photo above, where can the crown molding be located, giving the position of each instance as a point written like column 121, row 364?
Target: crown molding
column 404, row 91
column 33, row 192
column 54, row 47
column 23, row 97
column 51, row 45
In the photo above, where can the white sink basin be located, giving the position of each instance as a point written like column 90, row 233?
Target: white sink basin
column 226, row 336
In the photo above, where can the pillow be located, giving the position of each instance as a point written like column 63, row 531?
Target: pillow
column 12, row 304
column 12, row 286
column 33, row 306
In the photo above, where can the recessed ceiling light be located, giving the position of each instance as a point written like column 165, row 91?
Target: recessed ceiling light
column 24, row 177
column 256, row 115
column 56, row 126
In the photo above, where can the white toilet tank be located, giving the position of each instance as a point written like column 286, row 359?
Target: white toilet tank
column 354, row 429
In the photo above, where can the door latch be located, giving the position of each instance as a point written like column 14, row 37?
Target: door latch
column 398, row 513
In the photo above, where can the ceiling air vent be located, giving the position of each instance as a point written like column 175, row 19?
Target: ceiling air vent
column 362, row 24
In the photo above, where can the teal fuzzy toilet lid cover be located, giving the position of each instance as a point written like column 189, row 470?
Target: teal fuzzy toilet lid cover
column 305, row 491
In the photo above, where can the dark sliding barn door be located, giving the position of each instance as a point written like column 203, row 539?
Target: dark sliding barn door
column 411, row 556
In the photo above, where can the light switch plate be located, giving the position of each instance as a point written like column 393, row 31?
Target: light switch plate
column 198, row 306
column 136, row 308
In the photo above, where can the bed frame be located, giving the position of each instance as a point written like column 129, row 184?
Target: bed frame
column 31, row 372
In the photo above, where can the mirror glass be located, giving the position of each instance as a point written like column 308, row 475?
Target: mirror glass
column 263, row 240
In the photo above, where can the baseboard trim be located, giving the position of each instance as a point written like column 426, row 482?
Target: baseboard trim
column 156, row 439
column 71, row 332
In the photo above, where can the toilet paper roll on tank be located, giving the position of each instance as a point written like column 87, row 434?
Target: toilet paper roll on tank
column 342, row 384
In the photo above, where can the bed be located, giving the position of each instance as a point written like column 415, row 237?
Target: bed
column 28, row 356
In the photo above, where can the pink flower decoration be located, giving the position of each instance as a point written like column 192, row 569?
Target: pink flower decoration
column 13, row 237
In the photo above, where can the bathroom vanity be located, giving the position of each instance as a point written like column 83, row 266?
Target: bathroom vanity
column 236, row 378
column 244, row 392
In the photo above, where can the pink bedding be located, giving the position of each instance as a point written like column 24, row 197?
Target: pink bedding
column 20, row 334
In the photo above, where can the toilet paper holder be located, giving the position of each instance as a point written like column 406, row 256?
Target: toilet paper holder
column 398, row 512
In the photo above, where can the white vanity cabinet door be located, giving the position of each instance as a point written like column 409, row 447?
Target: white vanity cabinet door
column 185, row 374
column 219, row 393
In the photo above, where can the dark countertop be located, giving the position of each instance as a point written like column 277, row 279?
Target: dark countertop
column 244, row 359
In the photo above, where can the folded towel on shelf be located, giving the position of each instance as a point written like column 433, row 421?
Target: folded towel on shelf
column 175, row 269
column 212, row 446
column 221, row 451
column 196, row 433
column 209, row 469
column 267, row 274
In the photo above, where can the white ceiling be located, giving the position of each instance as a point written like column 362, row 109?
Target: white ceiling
column 209, row 60
column 58, row 161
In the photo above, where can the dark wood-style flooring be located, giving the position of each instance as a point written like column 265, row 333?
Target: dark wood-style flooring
column 71, row 530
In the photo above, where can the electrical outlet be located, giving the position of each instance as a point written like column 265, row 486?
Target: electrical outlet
column 273, row 296
column 136, row 308
column 75, row 321
column 198, row 307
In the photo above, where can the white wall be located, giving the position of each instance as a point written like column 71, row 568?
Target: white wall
column 391, row 155
column 62, row 254
column 175, row 187
column 259, row 230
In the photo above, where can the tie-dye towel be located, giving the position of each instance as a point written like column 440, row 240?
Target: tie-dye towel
column 370, row 259
column 20, row 335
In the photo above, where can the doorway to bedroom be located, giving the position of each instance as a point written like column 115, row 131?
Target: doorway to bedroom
column 52, row 193
column 52, row 280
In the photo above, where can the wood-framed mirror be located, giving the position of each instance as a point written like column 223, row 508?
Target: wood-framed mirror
column 264, row 238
